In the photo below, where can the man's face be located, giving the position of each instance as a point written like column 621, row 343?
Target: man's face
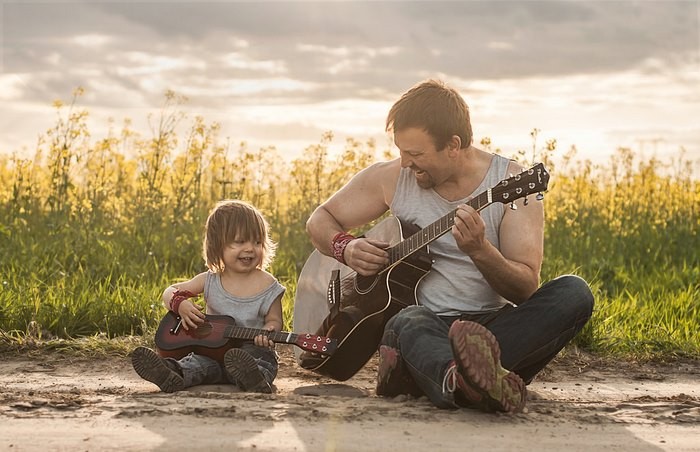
column 417, row 152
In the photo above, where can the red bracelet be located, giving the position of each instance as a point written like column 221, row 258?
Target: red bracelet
column 338, row 244
column 178, row 297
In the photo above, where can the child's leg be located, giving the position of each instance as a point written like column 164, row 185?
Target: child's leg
column 164, row 373
column 265, row 358
column 251, row 368
column 200, row 370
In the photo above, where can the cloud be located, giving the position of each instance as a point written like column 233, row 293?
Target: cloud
column 321, row 65
column 469, row 39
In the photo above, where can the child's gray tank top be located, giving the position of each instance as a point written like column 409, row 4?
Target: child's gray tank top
column 454, row 285
column 248, row 312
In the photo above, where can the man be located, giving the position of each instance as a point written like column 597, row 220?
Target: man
column 483, row 327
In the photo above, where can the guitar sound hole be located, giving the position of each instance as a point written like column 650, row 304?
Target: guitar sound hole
column 364, row 284
column 203, row 331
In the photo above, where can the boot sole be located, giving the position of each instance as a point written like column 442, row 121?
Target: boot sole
column 241, row 366
column 478, row 359
column 149, row 366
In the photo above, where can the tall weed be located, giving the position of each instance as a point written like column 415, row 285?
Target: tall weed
column 92, row 230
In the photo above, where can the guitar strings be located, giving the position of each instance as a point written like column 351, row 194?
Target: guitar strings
column 221, row 327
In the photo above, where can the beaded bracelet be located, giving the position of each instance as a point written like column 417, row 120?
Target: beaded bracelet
column 178, row 297
column 338, row 244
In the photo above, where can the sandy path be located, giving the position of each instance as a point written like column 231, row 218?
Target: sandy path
column 55, row 403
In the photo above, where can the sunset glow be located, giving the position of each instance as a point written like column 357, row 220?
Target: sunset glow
column 283, row 74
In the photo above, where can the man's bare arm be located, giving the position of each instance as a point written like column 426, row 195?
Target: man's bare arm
column 363, row 199
column 514, row 271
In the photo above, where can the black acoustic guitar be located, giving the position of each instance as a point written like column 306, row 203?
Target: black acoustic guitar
column 336, row 302
column 219, row 333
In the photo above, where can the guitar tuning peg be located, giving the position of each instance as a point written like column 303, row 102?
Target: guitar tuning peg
column 513, row 206
column 540, row 196
column 525, row 201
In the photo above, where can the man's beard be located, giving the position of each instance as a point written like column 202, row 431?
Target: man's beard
column 425, row 181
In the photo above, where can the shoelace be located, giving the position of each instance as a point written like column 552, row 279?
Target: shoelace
column 449, row 381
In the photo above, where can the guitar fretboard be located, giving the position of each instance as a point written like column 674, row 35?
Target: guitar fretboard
column 239, row 332
column 434, row 230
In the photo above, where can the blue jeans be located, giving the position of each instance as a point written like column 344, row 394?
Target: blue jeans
column 200, row 370
column 529, row 335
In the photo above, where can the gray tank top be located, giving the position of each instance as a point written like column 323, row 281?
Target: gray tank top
column 248, row 312
column 454, row 285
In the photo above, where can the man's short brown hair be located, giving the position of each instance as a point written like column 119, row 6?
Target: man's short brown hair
column 434, row 107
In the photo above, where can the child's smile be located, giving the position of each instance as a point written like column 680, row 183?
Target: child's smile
column 243, row 255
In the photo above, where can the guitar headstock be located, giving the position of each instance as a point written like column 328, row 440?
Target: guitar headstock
column 533, row 180
column 316, row 344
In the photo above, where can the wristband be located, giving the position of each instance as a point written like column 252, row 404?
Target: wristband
column 178, row 297
column 338, row 244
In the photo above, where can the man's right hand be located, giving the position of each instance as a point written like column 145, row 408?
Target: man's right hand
column 366, row 256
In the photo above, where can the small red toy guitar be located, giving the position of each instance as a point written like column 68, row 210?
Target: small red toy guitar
column 219, row 333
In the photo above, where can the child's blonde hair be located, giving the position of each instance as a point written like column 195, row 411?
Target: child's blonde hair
column 233, row 220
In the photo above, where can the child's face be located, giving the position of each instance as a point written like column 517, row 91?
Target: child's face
column 243, row 256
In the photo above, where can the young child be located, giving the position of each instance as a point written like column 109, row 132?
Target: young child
column 237, row 249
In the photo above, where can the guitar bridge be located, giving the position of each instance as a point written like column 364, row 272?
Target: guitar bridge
column 176, row 328
column 333, row 293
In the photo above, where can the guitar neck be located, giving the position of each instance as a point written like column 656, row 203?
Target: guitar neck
column 434, row 230
column 239, row 332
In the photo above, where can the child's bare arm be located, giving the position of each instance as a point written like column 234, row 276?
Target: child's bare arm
column 195, row 286
column 176, row 298
column 273, row 322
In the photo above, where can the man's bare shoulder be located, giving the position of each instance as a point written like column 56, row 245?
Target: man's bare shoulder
column 384, row 176
column 385, row 167
column 383, row 173
column 515, row 167
column 374, row 185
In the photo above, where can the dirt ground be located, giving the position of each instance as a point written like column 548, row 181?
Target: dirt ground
column 52, row 402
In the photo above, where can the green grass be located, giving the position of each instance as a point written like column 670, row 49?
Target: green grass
column 90, row 238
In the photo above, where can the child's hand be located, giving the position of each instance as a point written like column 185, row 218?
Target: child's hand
column 190, row 314
column 262, row 340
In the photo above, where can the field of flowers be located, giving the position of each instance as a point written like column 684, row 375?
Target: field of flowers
column 92, row 231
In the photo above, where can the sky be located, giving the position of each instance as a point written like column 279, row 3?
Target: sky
column 596, row 75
